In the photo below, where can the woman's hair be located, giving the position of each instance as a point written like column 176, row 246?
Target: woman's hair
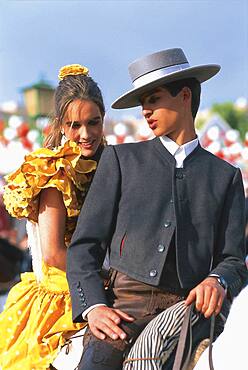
column 70, row 88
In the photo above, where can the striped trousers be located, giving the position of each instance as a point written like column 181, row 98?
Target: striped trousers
column 157, row 341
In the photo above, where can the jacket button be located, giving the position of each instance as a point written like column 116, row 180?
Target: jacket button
column 179, row 175
column 153, row 273
column 167, row 224
column 161, row 248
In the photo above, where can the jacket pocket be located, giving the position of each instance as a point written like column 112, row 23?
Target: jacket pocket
column 122, row 243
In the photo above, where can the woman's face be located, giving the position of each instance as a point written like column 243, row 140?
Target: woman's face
column 83, row 123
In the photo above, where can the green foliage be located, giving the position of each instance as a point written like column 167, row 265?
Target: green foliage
column 199, row 123
column 236, row 117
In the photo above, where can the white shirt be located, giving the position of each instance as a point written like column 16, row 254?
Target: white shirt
column 180, row 153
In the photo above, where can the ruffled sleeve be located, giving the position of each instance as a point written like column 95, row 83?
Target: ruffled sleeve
column 61, row 168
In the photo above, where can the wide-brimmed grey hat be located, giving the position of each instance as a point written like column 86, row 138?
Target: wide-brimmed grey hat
column 159, row 69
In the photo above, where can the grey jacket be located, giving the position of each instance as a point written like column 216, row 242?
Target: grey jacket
column 138, row 200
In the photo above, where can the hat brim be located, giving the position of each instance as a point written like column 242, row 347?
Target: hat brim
column 132, row 97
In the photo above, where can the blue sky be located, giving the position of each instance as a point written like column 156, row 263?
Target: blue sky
column 38, row 37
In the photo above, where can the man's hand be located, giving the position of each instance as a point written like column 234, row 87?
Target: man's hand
column 104, row 321
column 208, row 297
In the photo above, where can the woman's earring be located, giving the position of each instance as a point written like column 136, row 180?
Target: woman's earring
column 63, row 138
column 104, row 141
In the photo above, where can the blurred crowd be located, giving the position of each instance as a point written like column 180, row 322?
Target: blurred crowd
column 14, row 254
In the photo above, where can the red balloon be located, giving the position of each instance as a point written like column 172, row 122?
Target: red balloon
column 3, row 140
column 220, row 154
column 120, row 139
column 46, row 130
column 26, row 143
column 206, row 141
column 23, row 129
column 2, row 125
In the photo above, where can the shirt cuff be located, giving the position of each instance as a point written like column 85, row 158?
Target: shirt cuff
column 214, row 275
column 85, row 313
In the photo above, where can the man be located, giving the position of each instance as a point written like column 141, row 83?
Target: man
column 171, row 214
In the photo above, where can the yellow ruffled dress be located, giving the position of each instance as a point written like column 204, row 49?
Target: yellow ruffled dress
column 37, row 317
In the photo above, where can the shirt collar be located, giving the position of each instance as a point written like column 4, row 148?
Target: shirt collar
column 173, row 147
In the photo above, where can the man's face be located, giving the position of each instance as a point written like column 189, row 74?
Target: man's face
column 163, row 112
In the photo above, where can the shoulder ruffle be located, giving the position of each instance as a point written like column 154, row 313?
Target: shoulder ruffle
column 61, row 168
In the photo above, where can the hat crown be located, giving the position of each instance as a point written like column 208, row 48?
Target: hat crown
column 155, row 61
column 159, row 69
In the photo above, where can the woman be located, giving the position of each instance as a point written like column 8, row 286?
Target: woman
column 48, row 190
